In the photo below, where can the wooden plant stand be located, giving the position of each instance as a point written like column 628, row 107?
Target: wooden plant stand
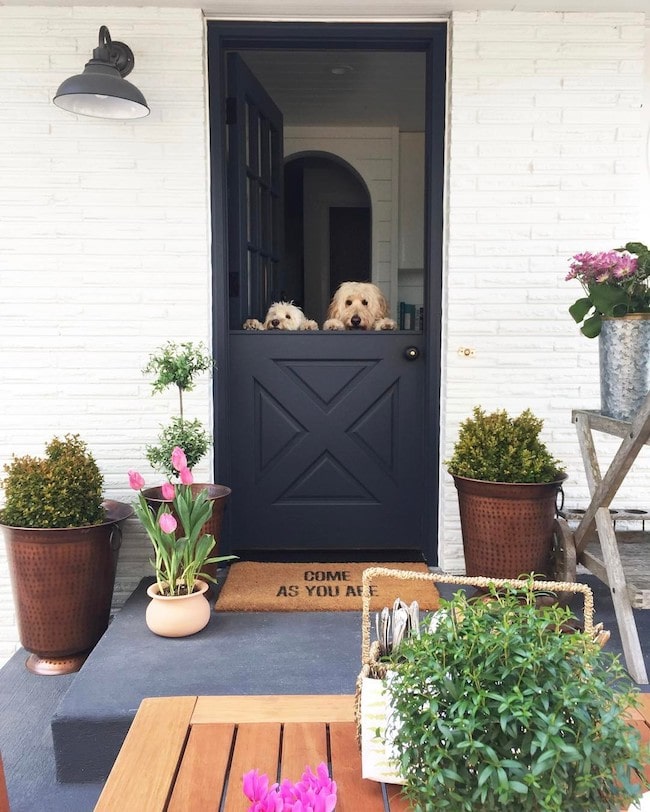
column 625, row 568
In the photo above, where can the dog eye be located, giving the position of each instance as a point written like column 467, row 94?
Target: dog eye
column 364, row 302
column 348, row 302
column 288, row 316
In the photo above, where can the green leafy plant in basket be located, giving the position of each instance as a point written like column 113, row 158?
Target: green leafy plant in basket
column 178, row 365
column 498, row 708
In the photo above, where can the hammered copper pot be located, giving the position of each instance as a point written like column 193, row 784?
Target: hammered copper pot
column 217, row 494
column 507, row 527
column 62, row 581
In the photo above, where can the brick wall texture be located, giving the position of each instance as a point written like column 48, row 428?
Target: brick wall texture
column 105, row 243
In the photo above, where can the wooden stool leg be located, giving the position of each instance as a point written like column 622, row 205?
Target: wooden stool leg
column 620, row 598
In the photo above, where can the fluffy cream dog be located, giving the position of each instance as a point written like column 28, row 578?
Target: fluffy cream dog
column 358, row 306
column 282, row 316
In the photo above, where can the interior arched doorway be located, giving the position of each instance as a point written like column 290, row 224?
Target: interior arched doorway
column 327, row 229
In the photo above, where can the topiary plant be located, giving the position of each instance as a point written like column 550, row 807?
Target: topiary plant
column 178, row 365
column 190, row 435
column 499, row 448
column 63, row 489
column 498, row 708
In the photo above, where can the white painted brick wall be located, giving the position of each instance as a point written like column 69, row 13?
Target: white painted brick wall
column 104, row 246
column 545, row 141
column 104, row 230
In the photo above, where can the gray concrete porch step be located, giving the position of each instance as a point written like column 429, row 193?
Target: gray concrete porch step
column 237, row 653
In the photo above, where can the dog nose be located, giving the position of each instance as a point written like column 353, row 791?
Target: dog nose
column 355, row 321
column 275, row 322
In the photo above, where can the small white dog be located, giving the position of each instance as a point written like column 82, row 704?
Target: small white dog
column 282, row 316
column 358, row 306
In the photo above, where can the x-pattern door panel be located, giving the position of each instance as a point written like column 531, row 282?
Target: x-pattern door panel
column 329, row 430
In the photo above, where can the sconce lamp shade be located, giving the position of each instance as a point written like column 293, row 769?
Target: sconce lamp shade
column 101, row 90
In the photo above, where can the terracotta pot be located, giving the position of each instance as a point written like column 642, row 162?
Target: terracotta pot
column 178, row 615
column 218, row 495
column 507, row 527
column 62, row 581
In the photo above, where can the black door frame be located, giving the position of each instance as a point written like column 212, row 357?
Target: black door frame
column 430, row 38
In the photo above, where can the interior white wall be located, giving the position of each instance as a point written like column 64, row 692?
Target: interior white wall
column 373, row 152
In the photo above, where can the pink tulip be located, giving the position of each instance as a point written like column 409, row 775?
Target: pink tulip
column 179, row 460
column 136, row 480
column 186, row 476
column 168, row 523
column 168, row 491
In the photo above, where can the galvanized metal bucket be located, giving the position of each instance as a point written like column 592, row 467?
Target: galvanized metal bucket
column 624, row 365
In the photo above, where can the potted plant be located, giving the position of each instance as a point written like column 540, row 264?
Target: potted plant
column 62, row 545
column 495, row 707
column 178, row 365
column 617, row 309
column 507, row 482
column 182, row 552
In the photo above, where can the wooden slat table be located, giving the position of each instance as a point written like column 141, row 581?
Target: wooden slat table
column 185, row 753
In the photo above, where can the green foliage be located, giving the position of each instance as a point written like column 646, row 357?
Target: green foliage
column 178, row 365
column 63, row 489
column 498, row 708
column 189, row 435
column 498, row 448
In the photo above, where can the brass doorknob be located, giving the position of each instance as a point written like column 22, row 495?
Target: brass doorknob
column 411, row 353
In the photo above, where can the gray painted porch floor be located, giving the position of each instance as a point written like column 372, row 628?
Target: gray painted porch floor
column 236, row 654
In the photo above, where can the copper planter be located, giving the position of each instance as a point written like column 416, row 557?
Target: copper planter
column 62, row 581
column 217, row 494
column 507, row 527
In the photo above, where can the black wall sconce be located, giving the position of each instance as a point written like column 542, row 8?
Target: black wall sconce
column 101, row 90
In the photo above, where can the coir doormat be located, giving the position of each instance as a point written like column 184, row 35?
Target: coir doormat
column 271, row 587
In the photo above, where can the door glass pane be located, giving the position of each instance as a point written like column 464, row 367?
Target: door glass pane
column 249, row 218
column 265, row 216
column 276, row 211
column 247, row 134
column 251, row 121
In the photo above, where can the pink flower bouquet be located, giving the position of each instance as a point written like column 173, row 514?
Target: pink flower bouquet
column 616, row 283
column 313, row 793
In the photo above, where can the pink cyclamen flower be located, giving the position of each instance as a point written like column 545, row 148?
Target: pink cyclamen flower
column 136, row 480
column 186, row 476
column 179, row 460
column 313, row 793
column 255, row 786
column 168, row 491
column 168, row 523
